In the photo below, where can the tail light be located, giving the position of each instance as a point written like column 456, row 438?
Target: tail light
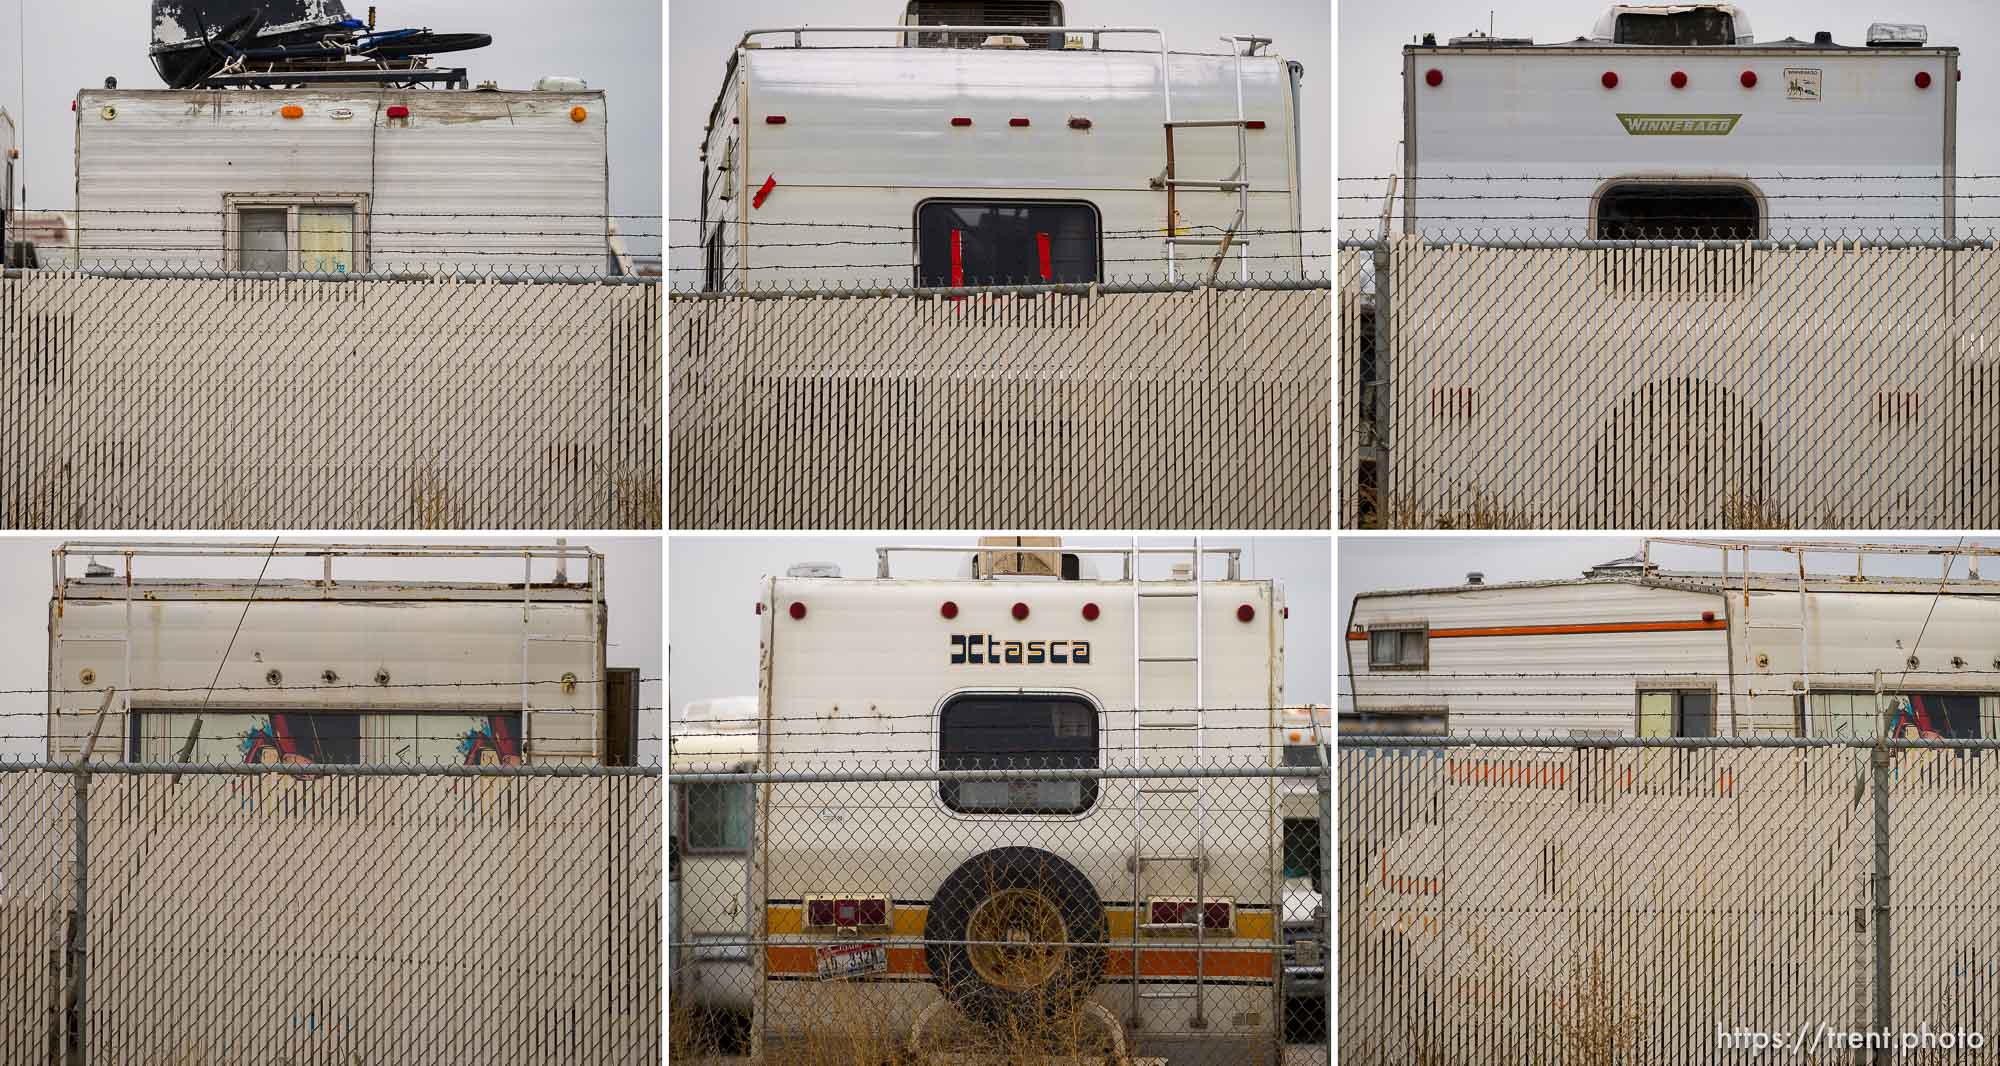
column 847, row 912
column 1179, row 914
column 398, row 111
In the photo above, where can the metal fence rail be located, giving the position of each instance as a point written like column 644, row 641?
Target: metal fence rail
column 904, row 911
column 342, row 914
column 1537, row 383
column 1143, row 406
column 1664, row 902
column 291, row 402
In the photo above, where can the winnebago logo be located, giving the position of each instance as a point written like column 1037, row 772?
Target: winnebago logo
column 980, row 648
column 1681, row 125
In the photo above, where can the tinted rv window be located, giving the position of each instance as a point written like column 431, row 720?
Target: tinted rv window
column 330, row 737
column 1005, row 242
column 1302, row 858
column 718, row 817
column 1652, row 211
column 1689, row 713
column 1909, row 715
column 711, row 271
column 266, row 246
column 1680, row 27
column 1017, row 731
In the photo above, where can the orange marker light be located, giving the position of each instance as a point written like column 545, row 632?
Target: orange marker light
column 578, row 114
column 293, row 111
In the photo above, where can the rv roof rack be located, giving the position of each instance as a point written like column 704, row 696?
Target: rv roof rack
column 798, row 32
column 128, row 550
column 450, row 77
column 1234, row 555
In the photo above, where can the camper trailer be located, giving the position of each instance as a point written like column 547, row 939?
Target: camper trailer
column 1032, row 652
column 1673, row 120
column 187, row 651
column 1630, row 648
column 711, row 824
column 997, row 145
column 344, row 179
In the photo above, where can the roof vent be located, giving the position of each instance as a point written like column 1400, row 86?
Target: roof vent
column 1475, row 578
column 1822, row 36
column 1897, row 35
column 982, row 13
column 1629, row 566
column 1004, row 40
column 1476, row 39
column 559, row 83
column 813, row 570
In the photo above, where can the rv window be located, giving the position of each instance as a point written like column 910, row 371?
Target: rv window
column 1005, row 242
column 1922, row 715
column 1394, row 649
column 311, row 234
column 331, row 737
column 1302, row 857
column 1683, row 713
column 1694, row 27
column 1000, row 731
column 717, row 817
column 711, row 271
column 1651, row 211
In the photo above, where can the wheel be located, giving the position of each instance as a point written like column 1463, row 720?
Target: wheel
column 1015, row 938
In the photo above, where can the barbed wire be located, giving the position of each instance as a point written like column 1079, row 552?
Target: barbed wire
column 515, row 682
column 1136, row 235
column 1656, row 178
column 370, row 213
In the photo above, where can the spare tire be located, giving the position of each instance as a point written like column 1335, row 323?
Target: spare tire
column 1051, row 922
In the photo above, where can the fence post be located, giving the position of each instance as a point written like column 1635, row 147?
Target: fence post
column 1879, row 889
column 1381, row 395
column 77, row 1052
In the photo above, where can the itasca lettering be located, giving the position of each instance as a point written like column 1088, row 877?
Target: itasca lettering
column 981, row 648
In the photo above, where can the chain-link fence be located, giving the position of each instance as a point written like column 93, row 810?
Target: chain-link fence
column 1125, row 914
column 1538, row 383
column 146, row 401
column 1668, row 901
column 1081, row 406
column 320, row 913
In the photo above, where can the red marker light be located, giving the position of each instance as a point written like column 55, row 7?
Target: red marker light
column 1434, row 77
column 1090, row 612
column 1749, row 79
column 1923, row 79
column 798, row 609
column 961, row 121
column 1708, row 616
column 1245, row 613
column 1610, row 79
column 774, row 120
column 1254, row 124
column 1679, row 80
column 948, row 609
column 1020, row 611
column 398, row 111
column 1078, row 122
column 1017, row 122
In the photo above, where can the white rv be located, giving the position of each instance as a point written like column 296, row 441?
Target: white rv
column 146, row 639
column 1631, row 649
column 343, row 179
column 1672, row 120
column 898, row 891
column 1000, row 146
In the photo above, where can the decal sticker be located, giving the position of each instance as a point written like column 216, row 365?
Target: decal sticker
column 1802, row 83
column 1678, row 125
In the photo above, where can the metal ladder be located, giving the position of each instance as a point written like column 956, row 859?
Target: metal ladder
column 1141, row 857
column 1238, row 182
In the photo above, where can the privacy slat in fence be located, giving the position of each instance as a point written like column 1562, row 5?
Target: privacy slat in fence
column 243, row 403
column 1812, row 387
column 1188, row 409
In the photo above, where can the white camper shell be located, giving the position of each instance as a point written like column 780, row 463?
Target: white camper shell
column 333, row 669
column 995, row 154
column 343, row 180
column 1729, row 138
column 888, row 673
column 1630, row 649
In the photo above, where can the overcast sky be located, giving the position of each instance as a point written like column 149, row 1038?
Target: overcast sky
column 613, row 45
column 631, row 604
column 713, row 588
column 1374, row 563
column 1372, row 36
column 705, row 33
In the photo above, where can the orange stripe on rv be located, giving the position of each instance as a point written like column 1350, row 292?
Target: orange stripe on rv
column 1570, row 630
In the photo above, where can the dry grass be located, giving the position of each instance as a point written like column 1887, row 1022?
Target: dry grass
column 844, row 1028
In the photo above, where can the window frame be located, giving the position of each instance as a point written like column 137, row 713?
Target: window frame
column 1093, row 791
column 1423, row 628
column 917, row 232
column 1676, row 688
column 685, row 806
column 1745, row 184
column 1814, row 725
column 140, row 748
column 235, row 203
